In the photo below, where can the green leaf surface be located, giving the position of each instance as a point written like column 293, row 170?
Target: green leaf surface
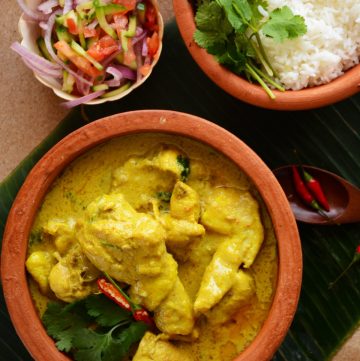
column 328, row 138
column 106, row 312
column 283, row 24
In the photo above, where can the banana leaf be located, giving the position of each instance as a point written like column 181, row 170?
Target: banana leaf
column 328, row 137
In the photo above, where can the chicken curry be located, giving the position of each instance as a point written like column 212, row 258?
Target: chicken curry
column 177, row 223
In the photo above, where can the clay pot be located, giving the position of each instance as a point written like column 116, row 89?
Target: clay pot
column 36, row 185
column 308, row 98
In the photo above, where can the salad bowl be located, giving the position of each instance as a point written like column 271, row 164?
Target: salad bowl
column 338, row 89
column 40, row 180
column 30, row 30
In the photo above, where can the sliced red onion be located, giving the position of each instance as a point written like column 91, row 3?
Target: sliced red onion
column 68, row 6
column 47, row 38
column 78, row 2
column 144, row 50
column 31, row 13
column 126, row 72
column 136, row 39
column 117, row 74
column 41, row 70
column 138, row 31
column 81, row 100
column 113, row 83
column 43, row 25
column 34, row 58
column 47, row 6
column 93, row 24
column 82, row 87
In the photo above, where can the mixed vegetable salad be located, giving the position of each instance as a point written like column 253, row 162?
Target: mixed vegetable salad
column 93, row 48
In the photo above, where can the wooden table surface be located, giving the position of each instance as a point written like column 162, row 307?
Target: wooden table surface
column 29, row 111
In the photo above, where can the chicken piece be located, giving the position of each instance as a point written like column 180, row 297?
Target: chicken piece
column 238, row 295
column 235, row 214
column 62, row 233
column 181, row 223
column 179, row 233
column 175, row 316
column 184, row 203
column 155, row 348
column 130, row 246
column 73, row 277
column 39, row 265
column 161, row 169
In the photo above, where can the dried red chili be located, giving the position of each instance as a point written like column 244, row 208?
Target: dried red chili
column 303, row 192
column 315, row 188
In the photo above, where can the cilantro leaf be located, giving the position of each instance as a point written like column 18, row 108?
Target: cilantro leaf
column 283, row 24
column 209, row 17
column 164, row 196
column 212, row 28
column 63, row 322
column 93, row 346
column 184, row 162
column 242, row 7
column 213, row 42
column 233, row 17
column 106, row 312
column 257, row 16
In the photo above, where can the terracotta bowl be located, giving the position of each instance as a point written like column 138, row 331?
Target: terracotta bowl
column 30, row 31
column 36, row 185
column 308, row 98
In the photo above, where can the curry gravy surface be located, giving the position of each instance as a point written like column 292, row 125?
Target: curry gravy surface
column 91, row 175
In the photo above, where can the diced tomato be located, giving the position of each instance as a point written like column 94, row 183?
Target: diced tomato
column 153, row 44
column 128, row 4
column 120, row 23
column 103, row 48
column 73, row 29
column 81, row 63
column 129, row 55
column 151, row 17
column 145, row 69
column 90, row 33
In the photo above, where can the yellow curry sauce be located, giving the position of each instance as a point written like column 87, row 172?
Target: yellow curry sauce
column 214, row 281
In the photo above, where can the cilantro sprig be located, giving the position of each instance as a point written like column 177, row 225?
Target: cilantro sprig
column 93, row 329
column 229, row 30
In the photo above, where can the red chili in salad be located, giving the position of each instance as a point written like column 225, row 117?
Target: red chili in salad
column 93, row 48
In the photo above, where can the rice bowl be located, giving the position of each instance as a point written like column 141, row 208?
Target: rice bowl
column 330, row 46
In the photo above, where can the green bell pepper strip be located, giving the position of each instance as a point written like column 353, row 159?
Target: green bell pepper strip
column 100, row 15
column 117, row 91
column 78, row 49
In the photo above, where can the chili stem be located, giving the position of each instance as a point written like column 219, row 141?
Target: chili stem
column 331, row 285
column 132, row 304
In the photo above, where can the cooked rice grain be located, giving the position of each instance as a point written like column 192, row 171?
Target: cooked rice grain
column 330, row 46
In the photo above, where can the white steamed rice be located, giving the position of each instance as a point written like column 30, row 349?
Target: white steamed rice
column 330, row 46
